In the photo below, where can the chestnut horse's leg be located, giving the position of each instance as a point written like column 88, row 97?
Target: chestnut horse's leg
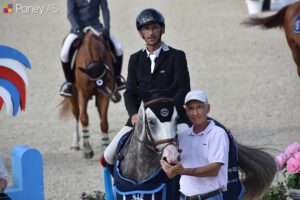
column 102, row 106
column 76, row 137
column 84, row 119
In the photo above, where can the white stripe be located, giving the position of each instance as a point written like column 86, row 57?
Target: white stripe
column 15, row 66
column 6, row 98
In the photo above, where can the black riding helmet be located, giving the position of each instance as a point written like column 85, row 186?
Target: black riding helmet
column 149, row 16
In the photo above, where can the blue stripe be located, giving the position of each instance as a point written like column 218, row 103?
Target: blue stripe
column 8, row 52
column 14, row 93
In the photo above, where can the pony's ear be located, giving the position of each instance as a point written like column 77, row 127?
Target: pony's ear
column 139, row 126
column 141, row 113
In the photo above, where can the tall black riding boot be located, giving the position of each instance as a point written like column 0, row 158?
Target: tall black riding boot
column 66, row 89
column 118, row 69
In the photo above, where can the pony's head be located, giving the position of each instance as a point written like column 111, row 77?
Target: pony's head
column 95, row 62
column 157, row 121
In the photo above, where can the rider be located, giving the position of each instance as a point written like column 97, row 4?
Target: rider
column 169, row 66
column 83, row 13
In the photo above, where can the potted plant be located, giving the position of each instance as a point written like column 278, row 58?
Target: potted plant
column 276, row 192
column 289, row 162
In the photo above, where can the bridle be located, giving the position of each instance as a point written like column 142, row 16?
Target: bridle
column 150, row 142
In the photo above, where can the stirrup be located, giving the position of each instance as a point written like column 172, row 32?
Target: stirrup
column 66, row 89
column 121, row 83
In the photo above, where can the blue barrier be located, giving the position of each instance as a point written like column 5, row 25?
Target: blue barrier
column 107, row 184
column 27, row 174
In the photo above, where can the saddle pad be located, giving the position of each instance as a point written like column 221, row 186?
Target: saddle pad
column 296, row 27
column 158, row 193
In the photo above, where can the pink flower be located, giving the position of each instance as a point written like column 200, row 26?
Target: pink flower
column 292, row 149
column 297, row 156
column 293, row 166
column 281, row 161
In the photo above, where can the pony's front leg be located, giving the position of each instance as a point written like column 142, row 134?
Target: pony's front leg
column 76, row 137
column 102, row 106
column 84, row 119
column 87, row 148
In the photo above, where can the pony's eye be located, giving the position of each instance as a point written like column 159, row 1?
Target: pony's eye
column 151, row 122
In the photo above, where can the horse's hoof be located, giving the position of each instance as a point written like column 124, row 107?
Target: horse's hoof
column 88, row 155
column 74, row 148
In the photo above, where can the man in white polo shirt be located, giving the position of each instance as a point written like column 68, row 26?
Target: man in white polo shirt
column 205, row 148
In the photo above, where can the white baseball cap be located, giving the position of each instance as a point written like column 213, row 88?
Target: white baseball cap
column 197, row 95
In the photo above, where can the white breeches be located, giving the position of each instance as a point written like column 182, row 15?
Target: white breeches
column 117, row 45
column 110, row 151
column 64, row 54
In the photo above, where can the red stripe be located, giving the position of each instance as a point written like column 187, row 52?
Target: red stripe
column 1, row 102
column 14, row 78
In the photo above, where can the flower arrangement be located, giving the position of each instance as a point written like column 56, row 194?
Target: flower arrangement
column 289, row 161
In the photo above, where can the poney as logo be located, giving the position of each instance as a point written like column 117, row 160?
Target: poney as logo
column 8, row 8
column 13, row 79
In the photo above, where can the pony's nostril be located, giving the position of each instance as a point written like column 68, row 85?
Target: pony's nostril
column 165, row 159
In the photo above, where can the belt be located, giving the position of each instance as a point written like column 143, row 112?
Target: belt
column 202, row 196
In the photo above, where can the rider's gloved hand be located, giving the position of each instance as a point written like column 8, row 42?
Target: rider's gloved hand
column 80, row 34
column 106, row 34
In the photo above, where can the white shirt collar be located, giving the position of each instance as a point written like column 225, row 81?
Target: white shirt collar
column 211, row 124
column 163, row 47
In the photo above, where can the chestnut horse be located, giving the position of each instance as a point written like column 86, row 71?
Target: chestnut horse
column 285, row 18
column 93, row 71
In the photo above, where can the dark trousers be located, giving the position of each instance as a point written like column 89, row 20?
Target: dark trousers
column 4, row 196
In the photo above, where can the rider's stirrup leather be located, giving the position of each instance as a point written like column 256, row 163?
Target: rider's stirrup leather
column 121, row 84
column 66, row 90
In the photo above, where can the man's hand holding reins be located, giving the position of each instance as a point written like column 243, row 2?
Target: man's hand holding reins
column 171, row 170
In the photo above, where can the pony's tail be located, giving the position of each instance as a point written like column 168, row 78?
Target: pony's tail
column 65, row 108
column 258, row 170
column 272, row 21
